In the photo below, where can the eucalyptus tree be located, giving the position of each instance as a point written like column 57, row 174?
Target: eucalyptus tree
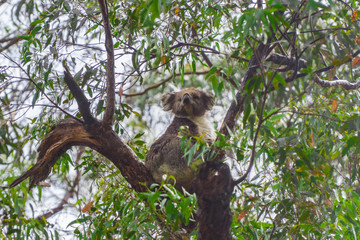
column 88, row 75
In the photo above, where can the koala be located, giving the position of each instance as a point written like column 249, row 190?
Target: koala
column 165, row 155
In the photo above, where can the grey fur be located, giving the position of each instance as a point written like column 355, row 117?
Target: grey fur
column 165, row 155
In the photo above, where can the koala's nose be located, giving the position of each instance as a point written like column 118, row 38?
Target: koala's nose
column 186, row 98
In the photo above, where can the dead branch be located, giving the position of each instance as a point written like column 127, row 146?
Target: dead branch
column 82, row 101
column 62, row 136
column 68, row 133
column 110, row 73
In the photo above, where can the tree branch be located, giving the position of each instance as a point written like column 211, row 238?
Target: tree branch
column 82, row 101
column 237, row 105
column 62, row 136
column 68, row 133
column 13, row 41
column 288, row 61
column 341, row 83
column 110, row 73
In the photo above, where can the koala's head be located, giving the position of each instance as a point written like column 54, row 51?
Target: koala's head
column 190, row 102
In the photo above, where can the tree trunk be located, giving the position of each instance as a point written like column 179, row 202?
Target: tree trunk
column 213, row 187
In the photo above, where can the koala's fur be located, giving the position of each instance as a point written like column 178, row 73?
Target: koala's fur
column 165, row 155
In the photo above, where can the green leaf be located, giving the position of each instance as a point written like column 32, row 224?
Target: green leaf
column 79, row 220
column 171, row 212
column 37, row 22
column 25, row 37
column 100, row 107
column 35, row 98
column 35, row 30
column 212, row 70
column 92, row 28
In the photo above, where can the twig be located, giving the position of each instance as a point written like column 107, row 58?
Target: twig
column 13, row 41
column 253, row 153
column 209, row 63
column 193, row 45
column 68, row 195
column 40, row 89
column 160, row 83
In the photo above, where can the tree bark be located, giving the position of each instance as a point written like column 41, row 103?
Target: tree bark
column 70, row 132
column 213, row 187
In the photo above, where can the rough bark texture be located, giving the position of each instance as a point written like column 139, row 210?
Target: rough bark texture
column 130, row 166
column 213, row 184
column 213, row 188
column 68, row 133
column 61, row 137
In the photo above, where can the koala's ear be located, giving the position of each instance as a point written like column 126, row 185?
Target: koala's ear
column 168, row 100
column 209, row 100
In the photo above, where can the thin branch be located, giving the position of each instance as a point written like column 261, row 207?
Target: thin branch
column 253, row 153
column 193, row 45
column 308, row 114
column 346, row 4
column 40, row 89
column 209, row 63
column 221, row 73
column 15, row 40
column 156, row 85
column 82, row 101
column 321, row 30
column 110, row 73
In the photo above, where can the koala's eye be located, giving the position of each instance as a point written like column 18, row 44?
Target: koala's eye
column 195, row 96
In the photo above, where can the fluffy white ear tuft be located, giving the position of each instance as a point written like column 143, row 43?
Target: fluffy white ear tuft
column 167, row 101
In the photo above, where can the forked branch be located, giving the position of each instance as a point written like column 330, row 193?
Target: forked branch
column 70, row 132
column 90, row 133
